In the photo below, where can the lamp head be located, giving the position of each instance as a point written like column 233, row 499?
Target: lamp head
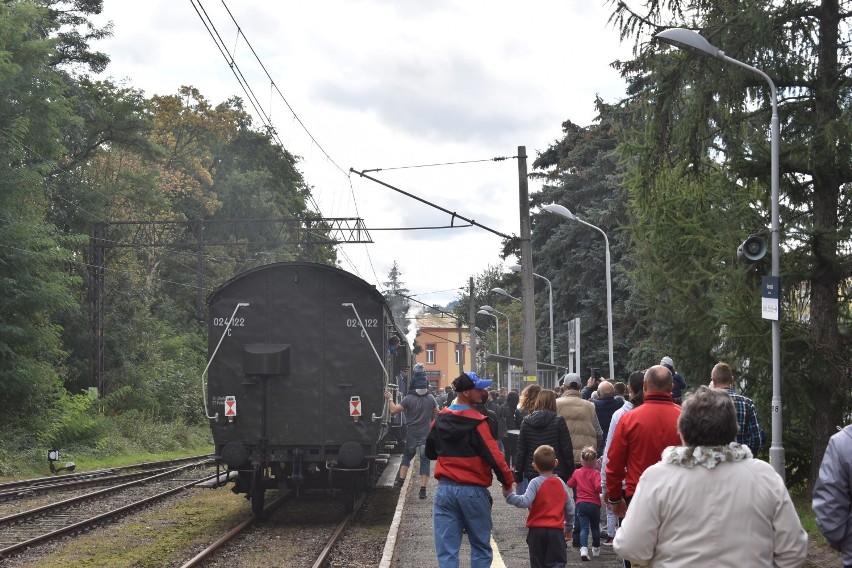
column 515, row 267
column 688, row 39
column 559, row 210
column 486, row 309
column 503, row 292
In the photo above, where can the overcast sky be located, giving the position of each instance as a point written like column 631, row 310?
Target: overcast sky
column 388, row 83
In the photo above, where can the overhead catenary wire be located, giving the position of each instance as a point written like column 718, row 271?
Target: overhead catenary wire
column 266, row 119
column 430, row 204
column 436, row 291
column 418, row 228
column 229, row 57
column 277, row 90
column 241, row 79
column 496, row 159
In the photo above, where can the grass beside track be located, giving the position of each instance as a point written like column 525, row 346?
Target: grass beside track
column 89, row 462
column 165, row 535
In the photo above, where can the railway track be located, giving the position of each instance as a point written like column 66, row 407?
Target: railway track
column 202, row 557
column 35, row 526
column 30, row 487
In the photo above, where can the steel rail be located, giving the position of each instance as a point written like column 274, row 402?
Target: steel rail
column 93, row 520
column 325, row 552
column 83, row 475
column 207, row 552
column 31, row 513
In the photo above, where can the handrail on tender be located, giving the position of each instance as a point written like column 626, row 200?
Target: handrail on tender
column 373, row 347
column 204, row 384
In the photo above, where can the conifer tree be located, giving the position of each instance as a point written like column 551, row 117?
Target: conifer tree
column 396, row 295
column 699, row 159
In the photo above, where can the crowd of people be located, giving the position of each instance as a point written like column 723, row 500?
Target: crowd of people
column 664, row 476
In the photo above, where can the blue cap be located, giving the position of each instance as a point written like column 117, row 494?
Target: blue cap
column 469, row 381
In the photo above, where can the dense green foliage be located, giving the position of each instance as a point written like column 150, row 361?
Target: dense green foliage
column 677, row 174
column 701, row 137
column 79, row 152
column 579, row 172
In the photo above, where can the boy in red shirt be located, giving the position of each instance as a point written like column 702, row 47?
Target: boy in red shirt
column 587, row 481
column 551, row 515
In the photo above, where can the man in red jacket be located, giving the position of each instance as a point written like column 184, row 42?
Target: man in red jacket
column 466, row 453
column 640, row 437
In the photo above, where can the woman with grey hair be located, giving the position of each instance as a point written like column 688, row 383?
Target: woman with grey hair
column 709, row 502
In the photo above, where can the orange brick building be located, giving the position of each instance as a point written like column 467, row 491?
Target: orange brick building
column 438, row 335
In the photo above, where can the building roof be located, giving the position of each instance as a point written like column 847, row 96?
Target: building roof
column 436, row 321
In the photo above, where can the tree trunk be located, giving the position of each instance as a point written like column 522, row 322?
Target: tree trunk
column 826, row 340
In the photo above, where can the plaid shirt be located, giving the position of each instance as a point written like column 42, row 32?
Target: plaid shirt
column 750, row 433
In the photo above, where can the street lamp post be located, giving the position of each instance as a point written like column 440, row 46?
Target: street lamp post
column 690, row 40
column 563, row 211
column 497, row 328
column 503, row 292
column 492, row 311
column 517, row 268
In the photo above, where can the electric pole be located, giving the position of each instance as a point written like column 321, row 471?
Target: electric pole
column 527, row 290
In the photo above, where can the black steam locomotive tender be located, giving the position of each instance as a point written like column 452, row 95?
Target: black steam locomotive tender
column 298, row 362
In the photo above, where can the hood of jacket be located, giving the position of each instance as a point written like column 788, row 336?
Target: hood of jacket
column 457, row 425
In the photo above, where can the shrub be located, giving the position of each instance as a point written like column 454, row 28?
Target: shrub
column 73, row 420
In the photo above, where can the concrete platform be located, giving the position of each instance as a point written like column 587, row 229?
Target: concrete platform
column 388, row 476
column 410, row 542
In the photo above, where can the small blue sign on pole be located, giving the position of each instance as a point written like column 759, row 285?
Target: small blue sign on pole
column 770, row 287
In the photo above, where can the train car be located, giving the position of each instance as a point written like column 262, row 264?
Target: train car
column 298, row 364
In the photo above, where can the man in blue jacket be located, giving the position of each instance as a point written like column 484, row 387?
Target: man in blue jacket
column 832, row 491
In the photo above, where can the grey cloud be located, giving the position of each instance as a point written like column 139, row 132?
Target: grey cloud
column 452, row 101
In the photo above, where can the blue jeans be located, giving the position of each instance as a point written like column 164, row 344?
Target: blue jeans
column 462, row 507
column 590, row 517
column 411, row 445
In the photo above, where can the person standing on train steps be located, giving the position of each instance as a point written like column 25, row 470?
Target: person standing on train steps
column 420, row 407
column 467, row 454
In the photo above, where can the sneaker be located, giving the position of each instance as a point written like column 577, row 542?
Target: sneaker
column 422, row 493
column 398, row 483
column 596, row 551
column 607, row 542
column 584, row 553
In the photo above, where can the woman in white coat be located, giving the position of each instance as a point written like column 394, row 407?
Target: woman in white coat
column 709, row 502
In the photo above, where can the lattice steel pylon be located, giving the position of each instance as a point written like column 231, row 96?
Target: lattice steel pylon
column 198, row 234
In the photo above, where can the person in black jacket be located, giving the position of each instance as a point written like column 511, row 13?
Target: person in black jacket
column 493, row 425
column 543, row 426
column 507, row 417
column 605, row 405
